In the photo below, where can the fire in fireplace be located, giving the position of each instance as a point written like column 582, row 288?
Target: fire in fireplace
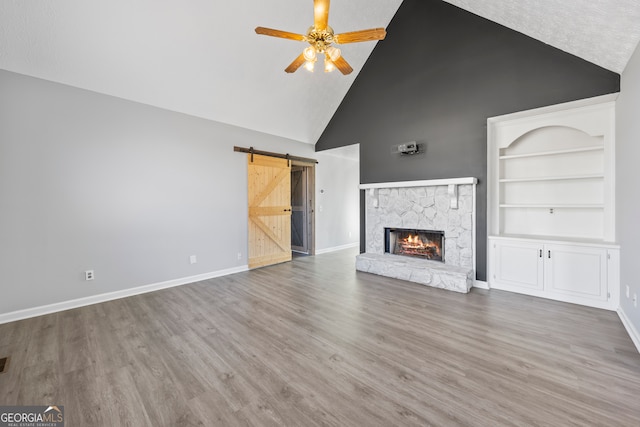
column 427, row 244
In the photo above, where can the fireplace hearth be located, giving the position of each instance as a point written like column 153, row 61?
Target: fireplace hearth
column 426, row 244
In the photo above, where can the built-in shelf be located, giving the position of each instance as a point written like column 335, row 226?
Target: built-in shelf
column 552, row 206
column 554, row 178
column 552, row 153
column 555, row 239
column 552, row 164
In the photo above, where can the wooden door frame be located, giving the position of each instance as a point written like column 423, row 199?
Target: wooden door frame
column 301, row 206
column 311, row 207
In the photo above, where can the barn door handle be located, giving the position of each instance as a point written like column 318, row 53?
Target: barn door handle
column 287, row 210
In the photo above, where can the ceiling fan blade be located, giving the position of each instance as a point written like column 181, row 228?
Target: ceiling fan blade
column 295, row 64
column 277, row 33
column 343, row 66
column 320, row 14
column 361, row 36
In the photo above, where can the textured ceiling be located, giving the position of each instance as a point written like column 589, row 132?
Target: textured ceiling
column 202, row 57
column 604, row 32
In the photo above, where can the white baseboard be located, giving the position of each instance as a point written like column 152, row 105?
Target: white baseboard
column 481, row 284
column 631, row 330
column 337, row 248
column 95, row 299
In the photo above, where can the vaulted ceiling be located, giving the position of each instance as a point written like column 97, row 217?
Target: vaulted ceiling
column 202, row 57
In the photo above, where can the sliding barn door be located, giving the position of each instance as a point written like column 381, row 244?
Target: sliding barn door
column 269, row 210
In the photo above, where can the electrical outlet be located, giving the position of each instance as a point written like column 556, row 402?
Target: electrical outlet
column 88, row 275
column 239, row 256
column 628, row 292
column 193, row 259
column 635, row 300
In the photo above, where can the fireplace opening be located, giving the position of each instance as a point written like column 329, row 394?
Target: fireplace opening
column 428, row 244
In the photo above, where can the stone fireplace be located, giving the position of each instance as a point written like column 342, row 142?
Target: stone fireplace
column 410, row 226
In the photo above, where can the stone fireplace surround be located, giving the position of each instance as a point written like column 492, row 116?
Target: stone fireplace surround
column 444, row 204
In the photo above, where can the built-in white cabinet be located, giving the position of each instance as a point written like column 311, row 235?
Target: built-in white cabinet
column 576, row 271
column 551, row 190
column 516, row 265
column 580, row 273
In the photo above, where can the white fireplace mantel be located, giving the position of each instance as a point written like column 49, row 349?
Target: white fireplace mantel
column 423, row 183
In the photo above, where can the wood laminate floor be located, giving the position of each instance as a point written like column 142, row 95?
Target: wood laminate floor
column 313, row 342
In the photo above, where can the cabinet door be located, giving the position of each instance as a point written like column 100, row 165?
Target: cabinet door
column 576, row 272
column 516, row 265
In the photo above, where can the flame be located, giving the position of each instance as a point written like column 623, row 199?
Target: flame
column 412, row 239
column 412, row 244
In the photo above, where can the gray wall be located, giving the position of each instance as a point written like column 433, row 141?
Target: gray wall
column 89, row 181
column 338, row 186
column 628, row 184
column 436, row 78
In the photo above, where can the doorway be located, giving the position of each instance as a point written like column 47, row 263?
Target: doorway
column 302, row 212
column 281, row 208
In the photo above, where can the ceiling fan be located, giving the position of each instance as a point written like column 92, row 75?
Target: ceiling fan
column 321, row 37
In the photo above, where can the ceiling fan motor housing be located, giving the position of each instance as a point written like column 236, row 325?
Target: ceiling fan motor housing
column 320, row 39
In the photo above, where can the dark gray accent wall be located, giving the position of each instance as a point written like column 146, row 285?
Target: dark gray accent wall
column 436, row 78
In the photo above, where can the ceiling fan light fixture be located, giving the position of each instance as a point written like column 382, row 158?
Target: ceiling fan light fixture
column 309, row 65
column 310, row 54
column 333, row 53
column 329, row 66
